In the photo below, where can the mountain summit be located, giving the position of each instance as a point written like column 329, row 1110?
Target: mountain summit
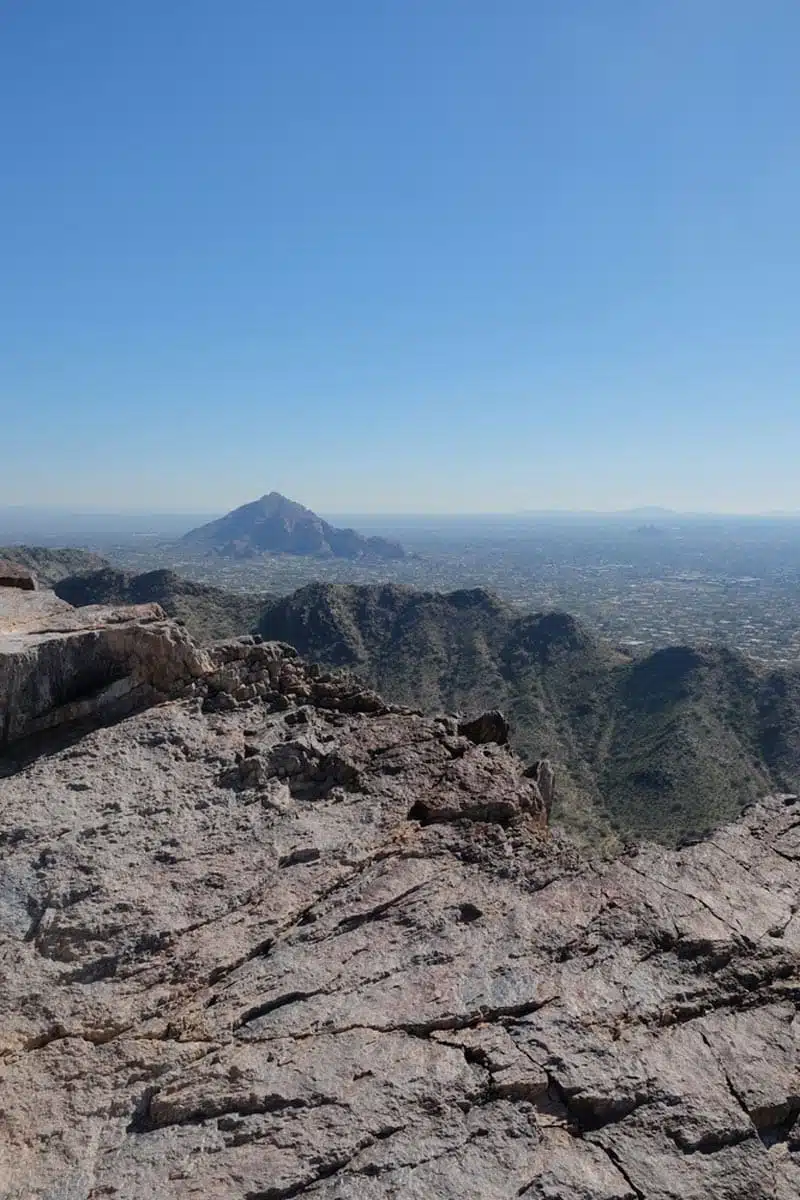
column 265, row 935
column 276, row 525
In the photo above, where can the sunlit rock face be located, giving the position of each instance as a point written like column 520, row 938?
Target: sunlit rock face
column 59, row 664
column 278, row 938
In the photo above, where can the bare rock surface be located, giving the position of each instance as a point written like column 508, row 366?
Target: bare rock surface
column 59, row 663
column 279, row 939
column 12, row 575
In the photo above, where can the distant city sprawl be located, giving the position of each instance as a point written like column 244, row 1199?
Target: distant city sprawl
column 731, row 581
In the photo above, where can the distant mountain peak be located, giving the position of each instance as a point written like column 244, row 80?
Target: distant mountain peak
column 274, row 524
column 276, row 504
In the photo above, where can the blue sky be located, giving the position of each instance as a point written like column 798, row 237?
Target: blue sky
column 400, row 255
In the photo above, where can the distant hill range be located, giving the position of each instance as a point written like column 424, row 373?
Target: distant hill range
column 207, row 612
column 667, row 745
column 275, row 525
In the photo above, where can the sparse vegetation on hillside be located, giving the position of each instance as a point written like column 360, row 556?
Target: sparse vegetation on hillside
column 663, row 746
column 667, row 746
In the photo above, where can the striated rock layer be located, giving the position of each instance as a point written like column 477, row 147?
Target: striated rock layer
column 59, row 664
column 280, row 939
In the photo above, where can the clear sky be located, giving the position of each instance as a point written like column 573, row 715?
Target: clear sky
column 400, row 255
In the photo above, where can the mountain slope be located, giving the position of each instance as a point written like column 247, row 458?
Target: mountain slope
column 208, row 612
column 667, row 746
column 49, row 565
column 687, row 748
column 276, row 525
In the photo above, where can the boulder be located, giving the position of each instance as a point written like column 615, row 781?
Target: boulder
column 488, row 727
column 59, row 664
column 544, row 776
column 14, row 576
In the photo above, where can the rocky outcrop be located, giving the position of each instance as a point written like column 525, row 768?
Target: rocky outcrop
column 247, row 669
column 488, row 727
column 663, row 746
column 12, row 575
column 59, row 664
column 209, row 613
column 48, row 564
column 303, row 943
column 543, row 774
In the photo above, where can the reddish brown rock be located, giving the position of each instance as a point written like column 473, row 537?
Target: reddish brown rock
column 236, row 965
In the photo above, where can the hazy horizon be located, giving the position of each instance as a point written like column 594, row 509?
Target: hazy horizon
column 642, row 511
column 439, row 257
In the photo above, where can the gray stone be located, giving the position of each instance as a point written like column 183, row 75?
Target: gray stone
column 59, row 664
column 544, row 776
column 237, row 993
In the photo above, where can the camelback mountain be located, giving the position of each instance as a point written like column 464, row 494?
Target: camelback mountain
column 266, row 935
column 276, row 525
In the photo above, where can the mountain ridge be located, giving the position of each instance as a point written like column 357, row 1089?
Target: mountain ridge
column 50, row 564
column 207, row 612
column 666, row 745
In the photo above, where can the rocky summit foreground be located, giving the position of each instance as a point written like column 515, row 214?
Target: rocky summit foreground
column 59, row 664
column 277, row 939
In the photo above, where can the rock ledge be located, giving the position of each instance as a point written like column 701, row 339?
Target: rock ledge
column 59, row 664
column 279, row 939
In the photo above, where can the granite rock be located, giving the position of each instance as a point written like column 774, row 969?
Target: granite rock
column 388, row 980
